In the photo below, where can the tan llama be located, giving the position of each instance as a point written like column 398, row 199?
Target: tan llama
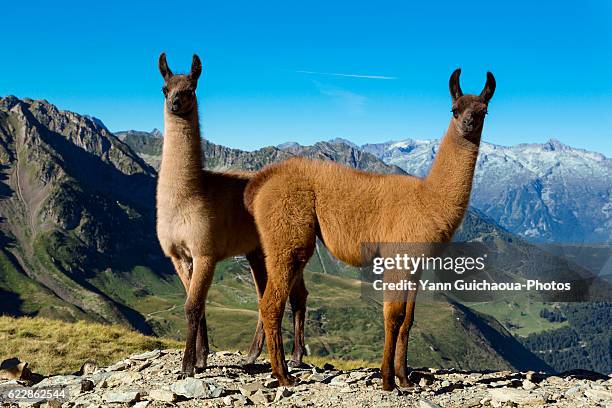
column 296, row 200
column 201, row 219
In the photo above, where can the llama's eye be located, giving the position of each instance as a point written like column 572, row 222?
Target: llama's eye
column 455, row 113
column 165, row 90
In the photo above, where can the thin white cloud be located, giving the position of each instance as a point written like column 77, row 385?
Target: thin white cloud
column 347, row 75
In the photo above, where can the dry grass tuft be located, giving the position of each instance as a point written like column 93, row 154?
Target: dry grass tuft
column 56, row 347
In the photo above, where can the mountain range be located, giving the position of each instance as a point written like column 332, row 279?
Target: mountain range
column 77, row 241
column 546, row 192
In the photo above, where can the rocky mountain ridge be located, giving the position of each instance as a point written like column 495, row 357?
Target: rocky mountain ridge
column 221, row 158
column 70, row 191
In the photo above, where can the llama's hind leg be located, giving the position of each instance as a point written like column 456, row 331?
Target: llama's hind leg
column 394, row 313
column 257, row 343
column 401, row 348
column 203, row 269
column 297, row 298
column 260, row 277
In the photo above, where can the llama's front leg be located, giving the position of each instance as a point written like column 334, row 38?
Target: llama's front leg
column 401, row 348
column 184, row 269
column 203, row 269
column 394, row 313
column 260, row 277
column 297, row 298
column 271, row 309
column 202, row 348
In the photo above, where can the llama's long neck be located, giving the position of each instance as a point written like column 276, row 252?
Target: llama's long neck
column 451, row 175
column 181, row 162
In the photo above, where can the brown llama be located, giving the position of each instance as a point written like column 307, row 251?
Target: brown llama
column 296, row 200
column 201, row 219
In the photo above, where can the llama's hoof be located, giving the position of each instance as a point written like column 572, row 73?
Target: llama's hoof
column 405, row 383
column 390, row 386
column 201, row 365
column 186, row 372
column 289, row 381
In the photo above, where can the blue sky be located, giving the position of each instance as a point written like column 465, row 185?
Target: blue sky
column 267, row 66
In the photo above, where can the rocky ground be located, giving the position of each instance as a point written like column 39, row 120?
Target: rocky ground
column 151, row 380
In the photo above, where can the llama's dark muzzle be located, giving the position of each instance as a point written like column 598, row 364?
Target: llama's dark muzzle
column 176, row 103
column 468, row 124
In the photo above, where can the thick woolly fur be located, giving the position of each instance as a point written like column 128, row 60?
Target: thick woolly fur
column 201, row 219
column 296, row 200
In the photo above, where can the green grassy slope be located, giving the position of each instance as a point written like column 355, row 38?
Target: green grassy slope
column 56, row 347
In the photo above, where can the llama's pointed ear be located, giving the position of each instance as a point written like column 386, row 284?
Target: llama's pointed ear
column 196, row 68
column 453, row 85
column 163, row 67
column 489, row 88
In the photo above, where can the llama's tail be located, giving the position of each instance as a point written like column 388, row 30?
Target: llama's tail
column 255, row 184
